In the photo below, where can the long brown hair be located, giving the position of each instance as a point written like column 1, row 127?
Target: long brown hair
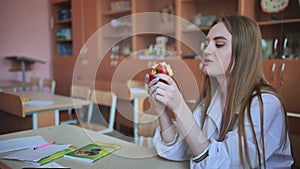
column 246, row 81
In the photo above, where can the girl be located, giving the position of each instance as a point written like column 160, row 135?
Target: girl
column 240, row 121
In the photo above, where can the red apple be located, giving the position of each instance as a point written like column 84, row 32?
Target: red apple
column 162, row 68
column 151, row 76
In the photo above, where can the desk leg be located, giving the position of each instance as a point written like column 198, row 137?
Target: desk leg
column 23, row 67
column 34, row 121
column 90, row 113
column 56, row 115
column 135, row 120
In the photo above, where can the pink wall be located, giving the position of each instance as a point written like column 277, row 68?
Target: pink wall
column 25, row 31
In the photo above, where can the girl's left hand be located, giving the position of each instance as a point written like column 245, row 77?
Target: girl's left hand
column 168, row 93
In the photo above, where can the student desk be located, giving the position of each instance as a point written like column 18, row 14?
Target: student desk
column 129, row 156
column 13, row 103
column 12, row 84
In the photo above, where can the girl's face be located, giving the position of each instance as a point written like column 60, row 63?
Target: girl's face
column 217, row 53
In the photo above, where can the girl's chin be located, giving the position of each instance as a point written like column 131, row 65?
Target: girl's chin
column 205, row 70
column 212, row 73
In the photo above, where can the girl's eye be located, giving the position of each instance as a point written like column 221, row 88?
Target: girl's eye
column 219, row 45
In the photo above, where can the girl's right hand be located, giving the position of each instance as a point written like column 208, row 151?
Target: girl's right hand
column 152, row 86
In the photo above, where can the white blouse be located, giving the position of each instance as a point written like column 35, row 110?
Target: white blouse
column 225, row 154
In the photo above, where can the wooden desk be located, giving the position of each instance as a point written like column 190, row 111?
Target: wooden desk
column 12, row 84
column 130, row 155
column 22, row 63
column 12, row 102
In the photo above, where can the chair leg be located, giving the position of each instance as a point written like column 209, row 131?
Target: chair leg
column 90, row 112
column 140, row 140
column 150, row 142
column 70, row 112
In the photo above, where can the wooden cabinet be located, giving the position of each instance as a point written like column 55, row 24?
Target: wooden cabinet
column 67, row 37
column 276, row 26
column 89, row 17
column 283, row 76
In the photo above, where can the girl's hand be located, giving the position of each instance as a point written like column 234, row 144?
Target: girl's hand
column 152, row 86
column 166, row 93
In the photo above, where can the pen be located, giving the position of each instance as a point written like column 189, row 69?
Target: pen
column 44, row 145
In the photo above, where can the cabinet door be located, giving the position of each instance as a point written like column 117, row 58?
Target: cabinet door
column 289, row 83
column 270, row 68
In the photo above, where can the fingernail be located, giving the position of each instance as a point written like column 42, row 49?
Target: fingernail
column 157, row 78
column 155, row 86
column 147, row 76
column 155, row 75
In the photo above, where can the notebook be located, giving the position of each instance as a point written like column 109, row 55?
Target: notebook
column 93, row 151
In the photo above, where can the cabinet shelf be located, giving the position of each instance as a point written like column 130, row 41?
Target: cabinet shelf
column 59, row 1
column 276, row 22
column 117, row 12
column 116, row 36
column 67, row 21
column 64, row 40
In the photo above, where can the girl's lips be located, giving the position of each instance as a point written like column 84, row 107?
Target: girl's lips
column 207, row 61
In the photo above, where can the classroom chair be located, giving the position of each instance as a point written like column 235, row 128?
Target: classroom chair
column 79, row 92
column 34, row 83
column 48, row 85
column 102, row 98
column 147, row 122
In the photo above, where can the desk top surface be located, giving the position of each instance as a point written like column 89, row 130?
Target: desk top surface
column 24, row 59
column 130, row 155
column 12, row 83
column 59, row 102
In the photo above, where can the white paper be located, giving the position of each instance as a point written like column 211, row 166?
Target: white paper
column 21, row 143
column 38, row 103
column 138, row 91
column 31, row 155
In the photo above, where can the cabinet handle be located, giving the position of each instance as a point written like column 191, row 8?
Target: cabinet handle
column 113, row 62
column 282, row 67
column 273, row 71
column 281, row 74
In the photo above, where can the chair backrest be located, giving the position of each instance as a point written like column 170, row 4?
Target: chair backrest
column 147, row 124
column 81, row 92
column 106, row 98
column 136, row 84
column 48, row 85
column 34, row 83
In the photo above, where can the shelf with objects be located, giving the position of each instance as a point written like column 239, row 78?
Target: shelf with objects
column 199, row 16
column 279, row 22
column 62, row 28
column 67, row 38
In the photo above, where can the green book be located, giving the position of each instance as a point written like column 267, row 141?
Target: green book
column 56, row 155
column 93, row 151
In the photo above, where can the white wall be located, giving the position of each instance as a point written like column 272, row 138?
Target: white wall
column 25, row 31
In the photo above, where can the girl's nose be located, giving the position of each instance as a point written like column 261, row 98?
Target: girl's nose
column 207, row 51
